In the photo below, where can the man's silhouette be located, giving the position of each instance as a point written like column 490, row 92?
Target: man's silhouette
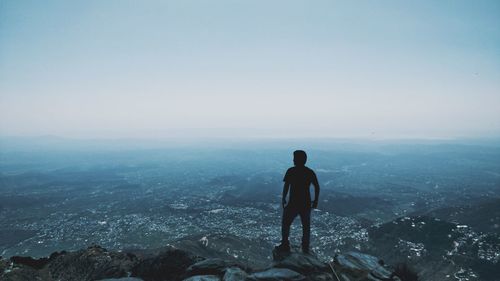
column 298, row 180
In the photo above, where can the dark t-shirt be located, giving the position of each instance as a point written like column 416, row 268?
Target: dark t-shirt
column 300, row 179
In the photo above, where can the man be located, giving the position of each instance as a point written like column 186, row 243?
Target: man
column 298, row 180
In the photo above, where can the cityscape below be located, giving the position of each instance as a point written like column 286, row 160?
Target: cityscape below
column 431, row 205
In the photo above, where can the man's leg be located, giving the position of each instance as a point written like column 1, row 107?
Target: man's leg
column 289, row 215
column 305, row 218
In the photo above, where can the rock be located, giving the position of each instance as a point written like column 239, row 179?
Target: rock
column 93, row 263
column 404, row 272
column 29, row 261
column 21, row 273
column 172, row 264
column 4, row 264
column 35, row 263
column 278, row 274
column 122, row 279
column 343, row 277
column 168, row 265
column 322, row 277
column 358, row 266
column 215, row 245
column 213, row 266
column 303, row 263
column 235, row 274
column 203, row 278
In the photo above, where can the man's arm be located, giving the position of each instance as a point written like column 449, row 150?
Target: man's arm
column 316, row 191
column 286, row 187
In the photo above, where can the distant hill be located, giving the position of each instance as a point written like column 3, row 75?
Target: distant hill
column 364, row 207
column 483, row 216
column 437, row 248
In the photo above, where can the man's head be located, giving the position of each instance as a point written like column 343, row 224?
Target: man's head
column 299, row 157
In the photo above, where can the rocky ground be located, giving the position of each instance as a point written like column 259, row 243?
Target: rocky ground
column 97, row 263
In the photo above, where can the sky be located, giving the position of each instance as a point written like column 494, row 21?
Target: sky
column 156, row 69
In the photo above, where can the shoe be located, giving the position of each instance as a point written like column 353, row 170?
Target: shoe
column 283, row 247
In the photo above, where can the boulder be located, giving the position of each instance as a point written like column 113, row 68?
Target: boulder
column 322, row 277
column 203, row 278
column 35, row 263
column 20, row 273
column 122, row 279
column 214, row 266
column 234, row 274
column 93, row 263
column 170, row 264
column 358, row 266
column 278, row 274
column 4, row 264
column 303, row 263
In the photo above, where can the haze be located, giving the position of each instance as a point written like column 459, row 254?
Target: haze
column 425, row 69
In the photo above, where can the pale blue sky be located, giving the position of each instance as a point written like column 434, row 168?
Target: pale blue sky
column 378, row 69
